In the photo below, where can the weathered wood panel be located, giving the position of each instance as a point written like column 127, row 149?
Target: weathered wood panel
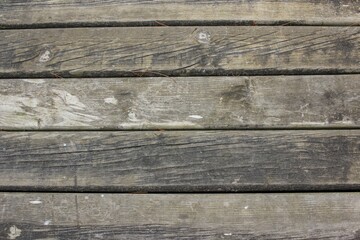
column 178, row 51
column 178, row 103
column 214, row 216
column 180, row 160
column 24, row 13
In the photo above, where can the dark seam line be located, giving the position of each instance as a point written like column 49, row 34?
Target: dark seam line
column 189, row 129
column 176, row 23
column 144, row 191
column 179, row 73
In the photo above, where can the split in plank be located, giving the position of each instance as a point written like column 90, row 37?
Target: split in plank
column 35, row 13
column 177, row 161
column 178, row 103
column 214, row 216
column 154, row 51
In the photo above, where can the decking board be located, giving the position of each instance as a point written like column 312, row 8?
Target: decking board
column 213, row 98
column 214, row 216
column 180, row 161
column 35, row 13
column 154, row 51
column 329, row 101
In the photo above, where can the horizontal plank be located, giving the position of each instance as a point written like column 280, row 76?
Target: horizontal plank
column 167, row 216
column 139, row 51
column 189, row 161
column 181, row 103
column 93, row 13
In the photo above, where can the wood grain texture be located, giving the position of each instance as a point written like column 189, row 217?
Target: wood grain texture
column 178, row 51
column 214, row 216
column 180, row 160
column 38, row 13
column 179, row 103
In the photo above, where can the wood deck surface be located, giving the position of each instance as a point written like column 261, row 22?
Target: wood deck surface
column 159, row 119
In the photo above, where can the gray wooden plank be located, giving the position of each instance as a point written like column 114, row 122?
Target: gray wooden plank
column 159, row 12
column 181, row 103
column 180, row 161
column 168, row 216
column 144, row 51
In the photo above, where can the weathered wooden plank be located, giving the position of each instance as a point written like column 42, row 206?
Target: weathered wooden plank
column 178, row 51
column 180, row 160
column 159, row 12
column 168, row 216
column 178, row 103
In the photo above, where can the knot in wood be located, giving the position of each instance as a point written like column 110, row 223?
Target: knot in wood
column 203, row 37
column 45, row 56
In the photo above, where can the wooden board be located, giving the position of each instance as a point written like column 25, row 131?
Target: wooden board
column 168, row 216
column 179, row 161
column 179, row 103
column 45, row 13
column 81, row 52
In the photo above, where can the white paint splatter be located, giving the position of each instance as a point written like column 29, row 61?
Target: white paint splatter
column 47, row 222
column 304, row 109
column 36, row 202
column 14, row 232
column 64, row 144
column 203, row 37
column 240, row 119
column 271, row 120
column 227, row 234
column 195, row 116
column 102, row 195
column 111, row 100
column 236, row 181
column 98, row 235
column 159, row 125
column 345, row 122
column 45, row 57
column 309, row 123
column 246, row 207
column 36, row 81
column 132, row 117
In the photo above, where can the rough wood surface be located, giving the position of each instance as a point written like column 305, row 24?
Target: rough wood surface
column 180, row 160
column 138, row 216
column 178, row 103
column 25, row 13
column 178, row 51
